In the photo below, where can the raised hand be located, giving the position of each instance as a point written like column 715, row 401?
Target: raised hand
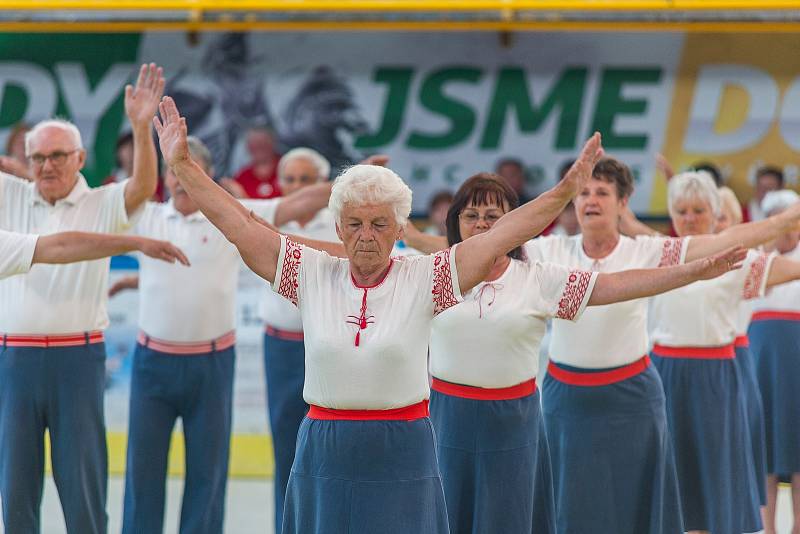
column 719, row 264
column 171, row 130
column 581, row 171
column 663, row 165
column 377, row 159
column 142, row 101
column 163, row 250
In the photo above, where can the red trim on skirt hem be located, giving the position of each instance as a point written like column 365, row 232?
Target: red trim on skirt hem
column 406, row 413
column 518, row 391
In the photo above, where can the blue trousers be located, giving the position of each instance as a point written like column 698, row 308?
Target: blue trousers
column 284, row 365
column 199, row 390
column 59, row 389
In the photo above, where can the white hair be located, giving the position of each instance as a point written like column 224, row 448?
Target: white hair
column 730, row 202
column 694, row 184
column 370, row 184
column 777, row 201
column 62, row 124
column 312, row 156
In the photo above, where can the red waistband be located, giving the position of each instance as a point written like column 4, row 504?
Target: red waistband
column 477, row 393
column 725, row 352
column 741, row 341
column 601, row 378
column 776, row 316
column 407, row 413
column 51, row 340
column 202, row 347
column 287, row 335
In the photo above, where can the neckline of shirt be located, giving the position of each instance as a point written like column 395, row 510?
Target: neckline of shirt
column 378, row 283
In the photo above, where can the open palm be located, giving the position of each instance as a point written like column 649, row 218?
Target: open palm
column 581, row 171
column 171, row 130
column 142, row 100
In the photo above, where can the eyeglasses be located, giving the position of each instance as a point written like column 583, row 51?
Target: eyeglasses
column 57, row 158
column 472, row 217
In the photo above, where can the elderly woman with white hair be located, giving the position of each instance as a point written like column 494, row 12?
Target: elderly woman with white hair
column 284, row 351
column 694, row 333
column 365, row 459
column 775, row 343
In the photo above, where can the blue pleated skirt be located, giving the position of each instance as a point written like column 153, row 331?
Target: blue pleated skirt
column 711, row 439
column 495, row 464
column 613, row 466
column 365, row 477
column 776, row 347
column 754, row 409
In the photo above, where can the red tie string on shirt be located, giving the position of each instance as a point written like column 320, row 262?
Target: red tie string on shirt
column 362, row 321
column 479, row 296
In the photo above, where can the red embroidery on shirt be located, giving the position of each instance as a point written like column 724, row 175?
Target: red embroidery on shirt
column 671, row 253
column 755, row 277
column 290, row 270
column 573, row 295
column 443, row 294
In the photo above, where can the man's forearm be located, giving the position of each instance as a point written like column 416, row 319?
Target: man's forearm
column 68, row 247
column 144, row 181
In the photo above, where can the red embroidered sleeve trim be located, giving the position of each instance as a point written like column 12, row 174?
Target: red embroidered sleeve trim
column 290, row 271
column 573, row 295
column 671, row 253
column 443, row 294
column 755, row 277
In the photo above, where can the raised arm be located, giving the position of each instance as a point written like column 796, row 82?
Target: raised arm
column 257, row 244
column 475, row 256
column 631, row 226
column 141, row 103
column 749, row 235
column 425, row 243
column 303, row 203
column 639, row 283
column 331, row 247
column 68, row 247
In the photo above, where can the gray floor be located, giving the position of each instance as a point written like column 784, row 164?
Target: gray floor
column 249, row 508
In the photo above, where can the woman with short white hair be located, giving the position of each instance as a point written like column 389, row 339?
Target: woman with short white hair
column 694, row 332
column 775, row 343
column 365, row 459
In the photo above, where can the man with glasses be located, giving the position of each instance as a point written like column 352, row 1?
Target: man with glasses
column 52, row 355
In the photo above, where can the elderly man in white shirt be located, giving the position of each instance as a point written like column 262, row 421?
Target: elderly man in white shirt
column 52, row 356
column 184, row 361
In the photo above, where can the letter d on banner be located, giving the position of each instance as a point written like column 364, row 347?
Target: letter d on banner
column 701, row 135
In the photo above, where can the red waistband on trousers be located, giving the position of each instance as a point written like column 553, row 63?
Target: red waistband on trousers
column 599, row 378
column 725, row 352
column 406, row 413
column 202, row 347
column 520, row 390
column 51, row 340
column 766, row 315
column 287, row 335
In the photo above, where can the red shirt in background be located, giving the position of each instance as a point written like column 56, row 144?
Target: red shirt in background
column 256, row 187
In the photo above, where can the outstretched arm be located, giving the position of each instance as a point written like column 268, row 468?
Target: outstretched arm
column 425, row 243
column 749, row 235
column 68, row 247
column 126, row 282
column 631, row 226
column 303, row 203
column 783, row 270
column 475, row 256
column 639, row 283
column 332, row 248
column 141, row 103
column 257, row 244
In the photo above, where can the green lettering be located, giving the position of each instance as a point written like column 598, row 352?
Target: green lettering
column 460, row 115
column 511, row 94
column 610, row 104
column 398, row 80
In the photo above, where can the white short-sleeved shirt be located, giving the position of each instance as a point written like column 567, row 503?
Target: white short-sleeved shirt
column 276, row 311
column 492, row 339
column 16, row 252
column 614, row 334
column 706, row 313
column 783, row 297
column 58, row 299
column 196, row 303
column 384, row 365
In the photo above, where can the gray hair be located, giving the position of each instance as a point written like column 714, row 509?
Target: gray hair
column 730, row 202
column 61, row 124
column 694, row 184
column 319, row 162
column 777, row 201
column 370, row 184
column 199, row 152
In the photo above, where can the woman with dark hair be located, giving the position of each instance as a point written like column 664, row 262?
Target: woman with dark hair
column 492, row 450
